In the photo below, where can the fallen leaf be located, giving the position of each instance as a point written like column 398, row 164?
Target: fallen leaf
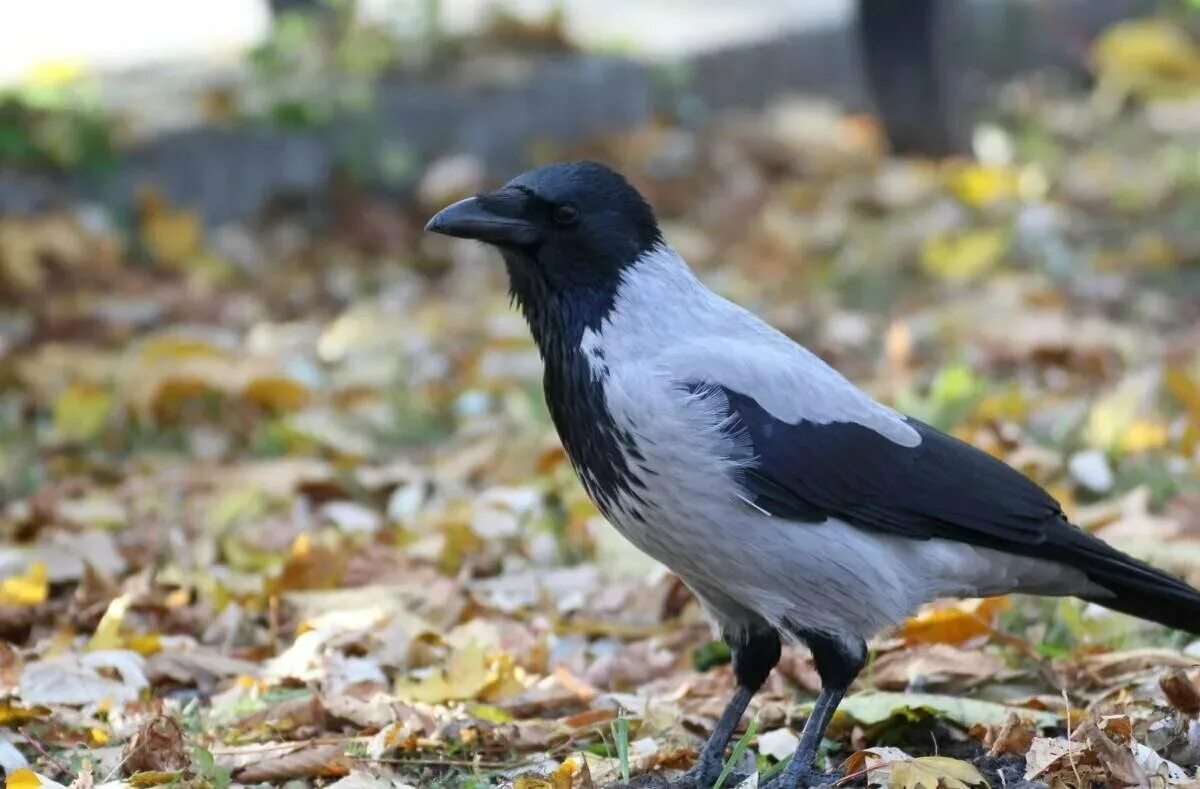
column 11, row 759
column 1147, row 57
column 77, row 680
column 778, row 744
column 156, row 747
column 108, row 631
column 932, row 772
column 30, row 588
column 869, row 762
column 875, row 707
column 23, row 778
column 931, row 665
column 320, row 761
column 980, row 184
column 965, row 255
column 1181, row 692
column 956, row 622
column 153, row 778
column 465, row 676
column 1116, row 757
column 80, row 413
column 1048, row 754
column 171, row 236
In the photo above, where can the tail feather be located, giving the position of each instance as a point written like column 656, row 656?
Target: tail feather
column 1143, row 591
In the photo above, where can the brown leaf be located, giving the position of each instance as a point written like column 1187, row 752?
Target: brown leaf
column 286, row 716
column 1014, row 736
column 933, row 664
column 319, row 761
column 1115, row 757
column 1181, row 692
column 156, row 747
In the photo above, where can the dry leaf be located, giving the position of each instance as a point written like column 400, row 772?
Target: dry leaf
column 1181, row 692
column 934, row 772
column 80, row 413
column 77, row 679
column 965, row 255
column 1116, row 758
column 1147, row 57
column 30, row 588
column 318, row 761
column 927, row 665
column 25, row 779
column 156, row 747
column 108, row 631
column 1047, row 755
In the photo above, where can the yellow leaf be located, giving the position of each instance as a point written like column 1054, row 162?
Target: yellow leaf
column 964, row 255
column 277, row 393
column 934, row 772
column 563, row 776
column 98, row 736
column 1148, row 58
column 152, row 778
column 465, row 676
column 28, row 589
column 108, row 631
column 532, row 782
column 23, row 779
column 1009, row 404
column 173, row 347
column 956, row 623
column 1184, row 389
column 489, row 713
column 14, row 717
column 171, row 236
column 145, row 645
column 1143, row 435
column 80, row 412
column 503, row 683
column 980, row 184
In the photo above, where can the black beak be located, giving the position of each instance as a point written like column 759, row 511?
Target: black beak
column 492, row 218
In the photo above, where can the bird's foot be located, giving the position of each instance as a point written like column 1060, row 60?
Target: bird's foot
column 703, row 775
column 803, row 779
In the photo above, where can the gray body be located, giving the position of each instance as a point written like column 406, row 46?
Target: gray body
column 792, row 504
column 747, row 566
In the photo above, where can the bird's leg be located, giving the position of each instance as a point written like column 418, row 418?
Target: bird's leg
column 755, row 653
column 838, row 662
column 800, row 771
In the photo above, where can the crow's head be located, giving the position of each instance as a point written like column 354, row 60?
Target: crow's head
column 566, row 231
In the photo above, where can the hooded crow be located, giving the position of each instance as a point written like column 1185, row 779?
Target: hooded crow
column 791, row 503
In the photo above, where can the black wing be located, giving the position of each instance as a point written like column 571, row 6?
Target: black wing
column 941, row 488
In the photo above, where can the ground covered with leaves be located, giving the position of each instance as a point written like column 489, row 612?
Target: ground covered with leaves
column 281, row 502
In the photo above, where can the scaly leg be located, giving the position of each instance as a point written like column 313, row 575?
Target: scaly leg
column 800, row 771
column 839, row 660
column 754, row 655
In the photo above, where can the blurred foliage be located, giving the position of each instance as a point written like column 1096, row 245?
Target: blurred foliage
column 321, row 61
column 56, row 121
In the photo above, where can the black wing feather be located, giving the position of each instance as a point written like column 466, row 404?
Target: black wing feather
column 942, row 488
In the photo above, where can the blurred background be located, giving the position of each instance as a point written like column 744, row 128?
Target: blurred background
column 279, row 498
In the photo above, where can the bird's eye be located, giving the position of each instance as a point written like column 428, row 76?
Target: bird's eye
column 566, row 214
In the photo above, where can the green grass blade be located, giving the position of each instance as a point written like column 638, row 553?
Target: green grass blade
column 620, row 733
column 738, row 750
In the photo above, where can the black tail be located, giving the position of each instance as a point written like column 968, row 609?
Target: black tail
column 1141, row 590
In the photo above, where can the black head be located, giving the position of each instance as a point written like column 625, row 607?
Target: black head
column 565, row 230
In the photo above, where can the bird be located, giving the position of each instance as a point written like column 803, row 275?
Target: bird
column 793, row 505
